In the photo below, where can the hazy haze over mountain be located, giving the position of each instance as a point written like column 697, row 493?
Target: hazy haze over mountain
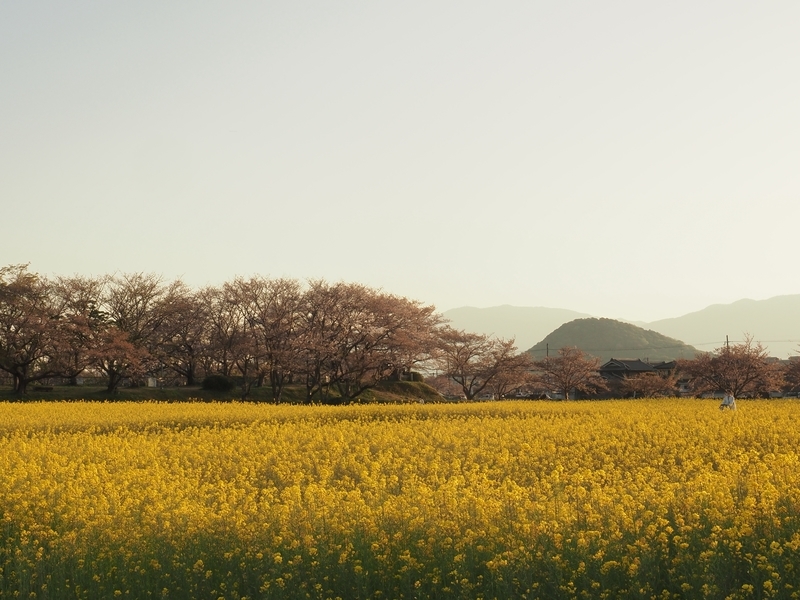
column 775, row 322
column 526, row 324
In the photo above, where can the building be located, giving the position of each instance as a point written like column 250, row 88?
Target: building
column 618, row 371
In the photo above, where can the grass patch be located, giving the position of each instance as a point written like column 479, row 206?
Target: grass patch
column 385, row 392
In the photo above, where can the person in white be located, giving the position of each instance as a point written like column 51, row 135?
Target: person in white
column 728, row 401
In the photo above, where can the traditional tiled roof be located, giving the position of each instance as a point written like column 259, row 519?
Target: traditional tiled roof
column 623, row 364
column 666, row 365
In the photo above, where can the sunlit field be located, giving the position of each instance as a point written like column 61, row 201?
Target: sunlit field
column 613, row 499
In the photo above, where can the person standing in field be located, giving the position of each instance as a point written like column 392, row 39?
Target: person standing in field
column 728, row 401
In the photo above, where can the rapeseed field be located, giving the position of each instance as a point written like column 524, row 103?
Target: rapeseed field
column 650, row 499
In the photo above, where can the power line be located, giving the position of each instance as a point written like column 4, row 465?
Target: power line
column 742, row 341
column 626, row 349
column 718, row 343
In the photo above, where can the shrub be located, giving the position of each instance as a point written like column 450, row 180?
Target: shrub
column 218, row 383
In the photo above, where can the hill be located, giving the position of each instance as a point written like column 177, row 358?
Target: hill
column 775, row 322
column 526, row 324
column 608, row 338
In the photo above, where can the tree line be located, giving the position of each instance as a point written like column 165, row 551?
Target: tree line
column 335, row 339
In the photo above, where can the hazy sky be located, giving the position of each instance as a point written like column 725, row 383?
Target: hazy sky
column 626, row 159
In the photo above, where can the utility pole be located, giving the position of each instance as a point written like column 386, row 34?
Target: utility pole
column 547, row 346
column 727, row 345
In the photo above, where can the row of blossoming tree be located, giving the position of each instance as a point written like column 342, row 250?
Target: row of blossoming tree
column 329, row 337
column 126, row 327
column 334, row 339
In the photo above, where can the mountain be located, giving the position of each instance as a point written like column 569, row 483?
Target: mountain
column 774, row 322
column 608, row 338
column 526, row 324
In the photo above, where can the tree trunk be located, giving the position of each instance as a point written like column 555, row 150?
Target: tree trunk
column 114, row 380
column 246, row 385
column 247, row 382
column 190, row 372
column 276, row 380
column 313, row 383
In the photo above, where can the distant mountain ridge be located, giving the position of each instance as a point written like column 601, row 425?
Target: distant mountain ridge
column 775, row 322
column 609, row 338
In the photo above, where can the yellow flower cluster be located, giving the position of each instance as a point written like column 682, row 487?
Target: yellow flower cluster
column 613, row 499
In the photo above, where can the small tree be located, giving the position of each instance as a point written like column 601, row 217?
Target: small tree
column 350, row 337
column 224, row 331
column 570, row 370
column 739, row 369
column 649, row 385
column 80, row 323
column 28, row 326
column 478, row 362
column 513, row 369
column 271, row 310
column 132, row 307
column 792, row 373
column 184, row 333
column 246, row 351
column 116, row 357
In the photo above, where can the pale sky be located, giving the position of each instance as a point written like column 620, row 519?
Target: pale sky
column 636, row 160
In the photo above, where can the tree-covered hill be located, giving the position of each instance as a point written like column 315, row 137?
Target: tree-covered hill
column 608, row 338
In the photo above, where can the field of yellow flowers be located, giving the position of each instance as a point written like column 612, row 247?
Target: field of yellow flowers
column 613, row 499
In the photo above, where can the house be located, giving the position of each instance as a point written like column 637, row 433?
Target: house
column 617, row 371
column 622, row 368
column 666, row 367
